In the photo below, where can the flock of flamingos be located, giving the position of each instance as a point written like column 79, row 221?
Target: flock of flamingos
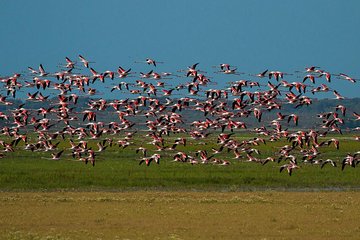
column 160, row 107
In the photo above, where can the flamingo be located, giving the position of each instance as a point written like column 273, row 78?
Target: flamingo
column 42, row 71
column 311, row 69
column 143, row 150
column 262, row 74
column 311, row 77
column 191, row 70
column 84, row 61
column 56, row 156
column 32, row 71
column 346, row 77
column 327, row 76
column 357, row 116
column 289, row 167
column 350, row 160
column 294, row 117
column 338, row 96
column 342, row 108
column 69, row 63
column 122, row 72
column 150, row 61
column 332, row 162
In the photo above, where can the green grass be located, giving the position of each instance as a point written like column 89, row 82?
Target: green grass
column 124, row 174
column 118, row 169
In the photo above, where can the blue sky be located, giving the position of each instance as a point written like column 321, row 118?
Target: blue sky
column 253, row 35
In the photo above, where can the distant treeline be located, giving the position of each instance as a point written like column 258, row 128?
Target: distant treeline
column 307, row 114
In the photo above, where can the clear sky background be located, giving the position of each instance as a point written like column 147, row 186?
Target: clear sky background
column 254, row 35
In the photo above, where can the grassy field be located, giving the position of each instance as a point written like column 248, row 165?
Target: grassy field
column 118, row 169
column 128, row 175
column 180, row 215
column 118, row 199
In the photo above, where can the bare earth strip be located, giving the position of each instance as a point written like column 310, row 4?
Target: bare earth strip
column 180, row 215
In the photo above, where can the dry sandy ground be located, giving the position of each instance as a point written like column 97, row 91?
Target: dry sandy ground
column 180, row 215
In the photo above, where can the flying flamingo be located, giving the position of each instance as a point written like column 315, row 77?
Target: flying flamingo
column 289, row 167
